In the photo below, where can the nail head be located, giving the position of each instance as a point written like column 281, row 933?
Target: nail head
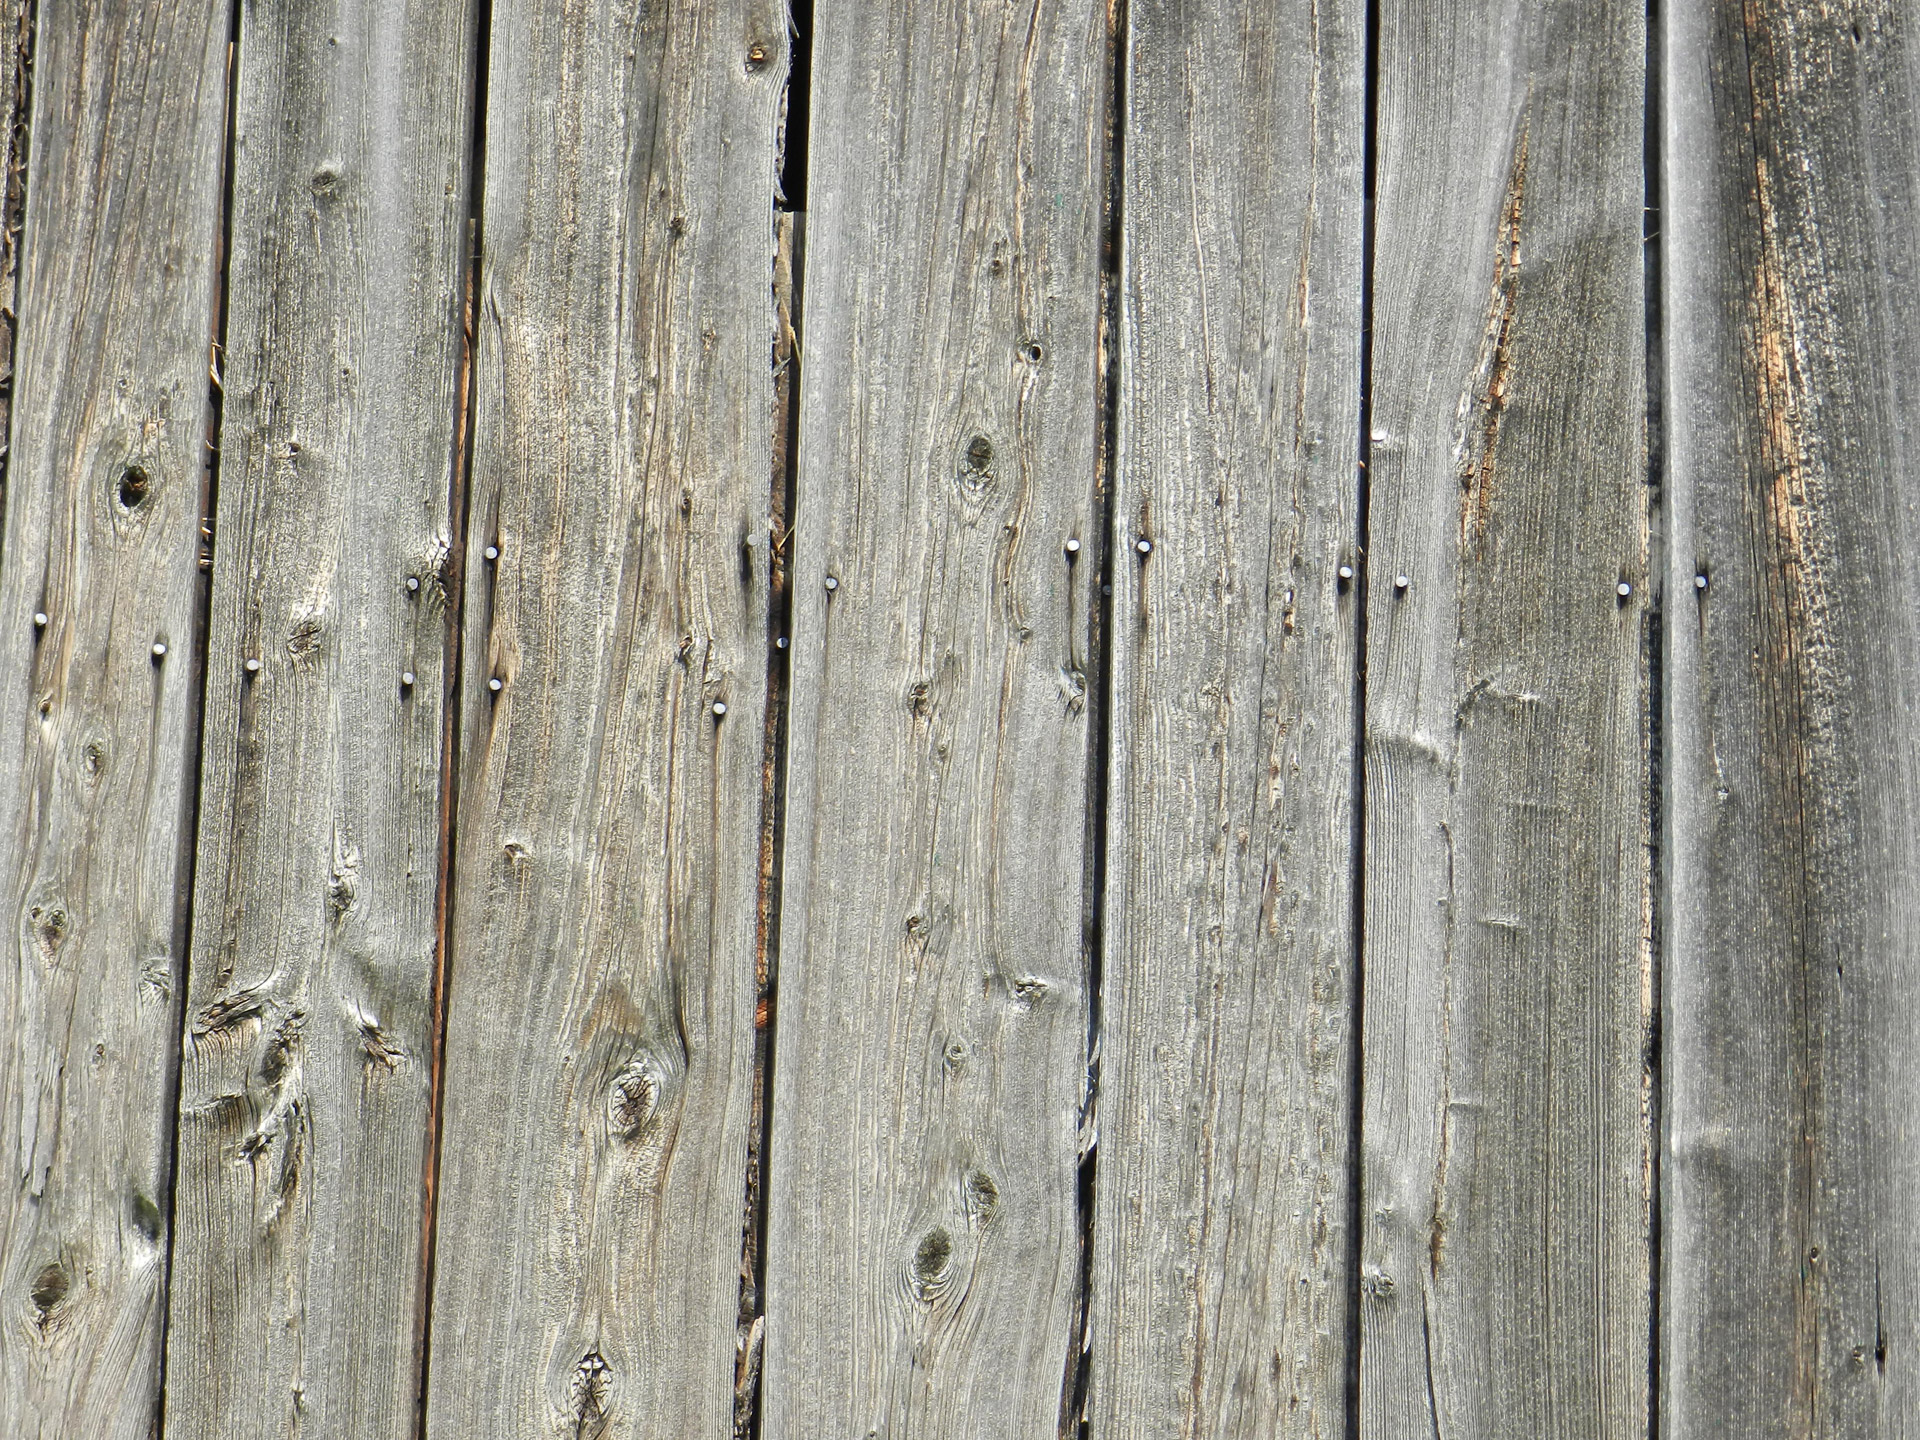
column 719, row 707
column 832, row 584
column 781, row 643
column 413, row 582
column 406, row 678
column 1400, row 582
column 159, row 649
column 492, row 552
column 39, row 619
column 1346, row 572
column 1623, row 589
column 1699, row 582
column 252, row 666
column 1073, row 547
column 494, row 684
column 1145, row 547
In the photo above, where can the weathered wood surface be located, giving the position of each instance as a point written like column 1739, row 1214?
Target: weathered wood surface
column 1221, row 1294
column 599, row 1059
column 924, row 1255
column 1793, row 178
column 308, row 1052
column 1505, row 1268
column 104, row 486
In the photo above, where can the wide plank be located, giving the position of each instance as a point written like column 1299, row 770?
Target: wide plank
column 308, row 1050
column 1221, row 1272
column 99, row 687
column 1791, row 1299
column 600, row 1074
column 1505, row 1264
column 923, row 1267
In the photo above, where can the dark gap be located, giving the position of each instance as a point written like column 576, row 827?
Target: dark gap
column 1079, row 1367
column 787, row 296
column 184, row 911
column 12, row 225
column 1657, row 878
column 789, row 266
column 465, row 315
column 1357, row 855
column 799, row 108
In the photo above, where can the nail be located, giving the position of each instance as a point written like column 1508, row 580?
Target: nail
column 406, row 679
column 1073, row 547
column 832, row 584
column 781, row 643
column 1145, row 547
column 413, row 582
column 159, row 649
column 719, row 707
column 1346, row 572
column 494, row 684
column 1400, row 582
column 1623, row 589
column 39, row 619
column 252, row 666
column 492, row 552
column 1699, row 582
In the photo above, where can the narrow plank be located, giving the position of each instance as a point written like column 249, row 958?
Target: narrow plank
column 307, row 1074
column 1505, row 1260
column 600, row 1035
column 923, row 1261
column 1221, row 1292
column 1792, row 1294
column 105, row 481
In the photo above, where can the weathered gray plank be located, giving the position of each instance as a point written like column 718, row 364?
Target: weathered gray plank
column 104, row 489
column 1792, row 1292
column 307, row 1076
column 923, row 1261
column 1505, row 1263
column 599, row 1060
column 1221, row 1289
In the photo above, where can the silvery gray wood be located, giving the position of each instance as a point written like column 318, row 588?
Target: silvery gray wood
column 600, row 1027
column 308, row 1049
column 1792, row 1294
column 1505, row 1261
column 1221, row 1293
column 104, row 486
column 930, row 1045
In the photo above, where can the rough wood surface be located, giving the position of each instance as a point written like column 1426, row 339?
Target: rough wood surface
column 1793, row 959
column 1221, row 1291
column 1505, row 1263
column 299, row 1256
column 930, row 1054
column 599, row 1064
column 105, row 480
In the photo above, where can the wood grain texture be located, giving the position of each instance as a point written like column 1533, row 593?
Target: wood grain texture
column 1505, row 1260
column 1221, row 1292
column 1792, row 1299
column 599, row 1064
column 299, row 1255
column 105, row 481
column 923, row 1262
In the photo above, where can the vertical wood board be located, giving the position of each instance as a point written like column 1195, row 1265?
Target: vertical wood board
column 1505, row 1267
column 599, row 1060
column 299, row 1265
column 930, row 1050
column 1220, row 1301
column 106, row 474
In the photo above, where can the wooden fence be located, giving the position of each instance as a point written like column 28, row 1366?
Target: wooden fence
column 960, row 718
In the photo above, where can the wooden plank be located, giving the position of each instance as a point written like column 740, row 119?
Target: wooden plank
column 105, row 482
column 1505, row 1262
column 1792, row 1290
column 299, row 1258
column 600, row 1032
column 923, row 1261
column 1221, row 1294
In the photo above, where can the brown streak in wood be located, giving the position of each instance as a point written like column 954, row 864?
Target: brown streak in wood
column 1485, row 400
